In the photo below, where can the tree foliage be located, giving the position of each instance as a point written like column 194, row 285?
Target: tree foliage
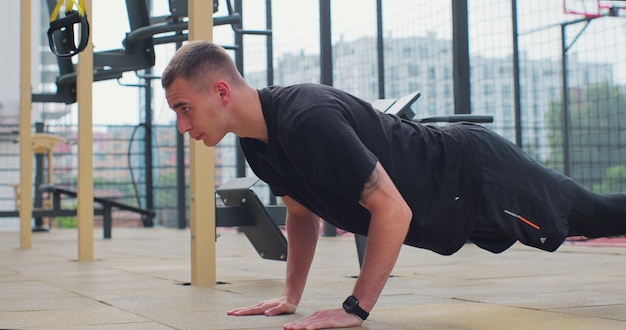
column 597, row 136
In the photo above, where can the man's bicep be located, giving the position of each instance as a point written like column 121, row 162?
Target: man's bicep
column 296, row 209
column 300, row 219
column 371, row 185
column 379, row 191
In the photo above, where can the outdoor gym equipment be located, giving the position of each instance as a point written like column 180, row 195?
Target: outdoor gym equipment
column 62, row 28
column 244, row 210
column 45, row 144
column 138, row 45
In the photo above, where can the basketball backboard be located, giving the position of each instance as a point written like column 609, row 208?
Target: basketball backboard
column 594, row 8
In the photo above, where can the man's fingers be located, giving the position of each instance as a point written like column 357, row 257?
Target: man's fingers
column 273, row 311
column 250, row 310
column 283, row 308
column 326, row 319
column 270, row 308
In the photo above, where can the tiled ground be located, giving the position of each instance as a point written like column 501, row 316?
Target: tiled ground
column 137, row 283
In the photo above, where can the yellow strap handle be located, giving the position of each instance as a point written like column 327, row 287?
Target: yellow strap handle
column 69, row 5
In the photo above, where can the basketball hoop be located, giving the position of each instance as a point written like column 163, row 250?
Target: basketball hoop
column 613, row 8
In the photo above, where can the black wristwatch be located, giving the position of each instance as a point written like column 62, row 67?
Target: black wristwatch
column 351, row 305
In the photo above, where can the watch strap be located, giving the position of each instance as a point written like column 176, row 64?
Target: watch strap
column 354, row 308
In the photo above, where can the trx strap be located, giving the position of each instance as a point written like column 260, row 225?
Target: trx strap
column 62, row 29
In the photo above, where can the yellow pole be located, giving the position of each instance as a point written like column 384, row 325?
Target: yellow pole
column 26, row 156
column 84, row 93
column 201, row 172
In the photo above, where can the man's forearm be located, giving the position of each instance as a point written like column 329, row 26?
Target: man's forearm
column 303, row 232
column 382, row 250
column 389, row 223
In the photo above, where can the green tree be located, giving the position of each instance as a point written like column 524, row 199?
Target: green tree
column 597, row 135
column 167, row 198
column 613, row 181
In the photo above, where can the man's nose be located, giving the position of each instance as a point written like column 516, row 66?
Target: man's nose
column 183, row 125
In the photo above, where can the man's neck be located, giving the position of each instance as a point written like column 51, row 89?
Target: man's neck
column 251, row 122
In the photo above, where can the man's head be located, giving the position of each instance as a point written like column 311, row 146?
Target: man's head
column 200, row 82
column 200, row 63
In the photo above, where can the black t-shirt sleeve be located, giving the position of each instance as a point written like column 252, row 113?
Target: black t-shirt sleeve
column 276, row 191
column 327, row 151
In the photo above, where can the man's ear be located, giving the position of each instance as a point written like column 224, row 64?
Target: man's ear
column 223, row 90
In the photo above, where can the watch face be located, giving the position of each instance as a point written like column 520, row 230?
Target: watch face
column 350, row 303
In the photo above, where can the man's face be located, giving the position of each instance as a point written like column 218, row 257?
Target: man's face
column 201, row 113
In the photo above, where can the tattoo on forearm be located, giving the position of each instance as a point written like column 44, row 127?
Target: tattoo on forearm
column 370, row 185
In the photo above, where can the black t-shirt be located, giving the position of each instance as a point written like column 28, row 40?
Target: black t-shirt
column 323, row 144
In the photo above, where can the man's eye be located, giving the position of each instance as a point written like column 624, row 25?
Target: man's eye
column 186, row 109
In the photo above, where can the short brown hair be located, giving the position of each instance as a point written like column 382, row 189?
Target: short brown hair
column 197, row 62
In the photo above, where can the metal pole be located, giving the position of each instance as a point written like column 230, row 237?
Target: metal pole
column 565, row 103
column 269, row 43
column 326, row 48
column 566, row 115
column 270, row 60
column 461, row 63
column 39, row 227
column 181, row 188
column 147, row 221
column 516, row 77
column 25, row 134
column 326, row 69
column 240, row 164
column 84, row 97
column 380, row 49
column 202, row 172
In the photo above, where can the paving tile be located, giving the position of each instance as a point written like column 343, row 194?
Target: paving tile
column 29, row 289
column 610, row 312
column 61, row 313
column 137, row 282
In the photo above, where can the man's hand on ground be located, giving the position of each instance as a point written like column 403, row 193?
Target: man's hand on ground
column 325, row 319
column 268, row 307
